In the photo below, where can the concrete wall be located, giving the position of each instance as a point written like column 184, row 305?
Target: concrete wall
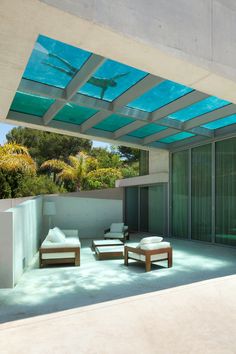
column 11, row 203
column 20, row 231
column 199, row 31
column 88, row 215
column 191, row 42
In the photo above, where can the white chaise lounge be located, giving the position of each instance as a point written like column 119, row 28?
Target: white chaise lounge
column 60, row 247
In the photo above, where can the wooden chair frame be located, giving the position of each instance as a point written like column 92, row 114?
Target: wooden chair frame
column 75, row 260
column 148, row 254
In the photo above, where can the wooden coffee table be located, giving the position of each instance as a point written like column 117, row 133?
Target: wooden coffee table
column 104, row 243
column 109, row 252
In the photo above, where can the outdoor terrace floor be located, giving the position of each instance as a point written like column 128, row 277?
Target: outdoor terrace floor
column 53, row 289
column 104, row 307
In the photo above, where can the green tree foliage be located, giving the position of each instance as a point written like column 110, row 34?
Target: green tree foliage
column 106, row 159
column 38, row 185
column 18, row 174
column 46, row 146
column 129, row 154
column 102, row 178
column 71, row 174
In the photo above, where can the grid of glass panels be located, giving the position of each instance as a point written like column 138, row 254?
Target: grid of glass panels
column 147, row 130
column 54, row 63
column 111, row 80
column 31, row 104
column 160, row 95
column 114, row 122
column 204, row 106
column 72, row 113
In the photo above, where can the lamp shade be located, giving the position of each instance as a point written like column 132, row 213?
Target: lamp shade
column 49, row 208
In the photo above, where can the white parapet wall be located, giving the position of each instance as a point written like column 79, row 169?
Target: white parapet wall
column 20, row 232
column 90, row 216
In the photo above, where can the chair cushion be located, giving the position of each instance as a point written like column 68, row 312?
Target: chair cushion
column 117, row 227
column 151, row 239
column 60, row 234
column 155, row 246
column 114, row 235
column 69, row 242
column 54, row 237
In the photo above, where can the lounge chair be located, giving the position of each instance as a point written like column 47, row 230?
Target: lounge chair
column 60, row 247
column 149, row 250
column 117, row 231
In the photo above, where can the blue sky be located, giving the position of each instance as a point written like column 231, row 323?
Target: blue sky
column 5, row 128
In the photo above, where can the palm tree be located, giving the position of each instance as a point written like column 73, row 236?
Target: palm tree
column 16, row 158
column 73, row 171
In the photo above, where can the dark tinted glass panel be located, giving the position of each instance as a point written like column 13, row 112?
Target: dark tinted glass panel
column 226, row 192
column 201, row 193
column 180, row 194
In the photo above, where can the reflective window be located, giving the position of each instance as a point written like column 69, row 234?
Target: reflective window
column 114, row 122
column 31, row 104
column 72, row 113
column 147, row 130
column 205, row 106
column 176, row 137
column 54, row 63
column 160, row 95
column 220, row 123
column 111, row 80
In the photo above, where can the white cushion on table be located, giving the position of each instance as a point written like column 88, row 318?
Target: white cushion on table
column 114, row 234
column 117, row 227
column 151, row 239
column 155, row 246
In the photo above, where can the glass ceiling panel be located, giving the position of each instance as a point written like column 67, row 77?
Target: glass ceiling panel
column 207, row 105
column 53, row 62
column 147, row 130
column 220, row 123
column 31, row 104
column 72, row 113
column 114, row 122
column 176, row 137
column 160, row 95
column 111, row 80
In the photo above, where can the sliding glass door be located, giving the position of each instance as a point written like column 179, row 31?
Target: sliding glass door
column 226, row 192
column 201, row 193
column 180, row 177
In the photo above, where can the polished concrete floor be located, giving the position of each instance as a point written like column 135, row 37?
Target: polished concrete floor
column 49, row 290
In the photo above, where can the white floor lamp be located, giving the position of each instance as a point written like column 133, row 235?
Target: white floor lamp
column 49, row 209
